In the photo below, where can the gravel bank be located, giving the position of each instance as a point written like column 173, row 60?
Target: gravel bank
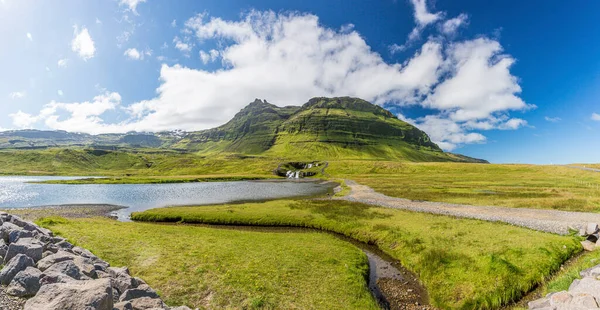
column 67, row 211
column 551, row 221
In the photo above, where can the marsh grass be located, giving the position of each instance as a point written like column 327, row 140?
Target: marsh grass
column 464, row 263
column 229, row 269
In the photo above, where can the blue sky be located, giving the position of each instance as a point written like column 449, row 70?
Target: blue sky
column 508, row 81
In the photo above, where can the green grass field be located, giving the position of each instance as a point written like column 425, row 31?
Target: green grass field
column 521, row 186
column 229, row 269
column 464, row 264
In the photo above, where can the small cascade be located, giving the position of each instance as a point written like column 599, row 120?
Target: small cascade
column 297, row 174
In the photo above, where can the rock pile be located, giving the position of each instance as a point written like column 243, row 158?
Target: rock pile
column 592, row 233
column 58, row 275
column 582, row 294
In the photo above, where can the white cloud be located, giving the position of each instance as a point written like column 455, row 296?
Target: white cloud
column 423, row 18
column 83, row 117
column 182, row 46
column 134, row 54
column 553, row 119
column 596, row 117
column 451, row 26
column 289, row 58
column 479, row 83
column 98, row 21
column 174, row 23
column 211, row 56
column 422, row 15
column 62, row 62
column 17, row 95
column 47, row 69
column 82, row 43
column 131, row 4
column 29, row 37
column 59, row 92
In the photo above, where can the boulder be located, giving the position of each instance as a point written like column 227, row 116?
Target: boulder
column 14, row 235
column 139, row 292
column 590, row 272
column 58, row 257
column 64, row 245
column 593, row 238
column 25, row 283
column 587, row 286
column 3, row 248
column 28, row 246
column 6, row 228
column 126, row 305
column 560, row 299
column 539, row 304
column 83, row 252
column 15, row 265
column 76, row 295
column 588, row 245
column 68, row 268
column 121, row 279
column 591, row 228
column 584, row 301
column 144, row 303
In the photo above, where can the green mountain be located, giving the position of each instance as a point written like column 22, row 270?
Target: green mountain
column 321, row 129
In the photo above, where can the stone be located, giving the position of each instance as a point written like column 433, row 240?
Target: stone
column 590, row 272
column 46, row 254
column 83, row 252
column 86, row 266
column 6, row 228
column 139, row 281
column 15, row 265
column 593, row 238
column 57, row 239
column 101, row 274
column 144, row 303
column 89, row 295
column 573, row 285
column 587, row 286
column 118, row 271
column 68, row 268
column 25, row 283
column 139, row 292
column 14, row 235
column 3, row 248
column 591, row 228
column 50, row 247
column 64, row 245
column 126, row 305
column 560, row 299
column 181, row 308
column 584, row 300
column 538, row 304
column 588, row 245
column 101, row 265
column 58, row 257
column 27, row 246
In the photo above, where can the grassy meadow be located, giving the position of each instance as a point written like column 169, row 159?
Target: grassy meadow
column 519, row 186
column 229, row 269
column 464, row 264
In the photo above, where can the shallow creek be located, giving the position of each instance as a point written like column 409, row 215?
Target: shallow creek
column 392, row 285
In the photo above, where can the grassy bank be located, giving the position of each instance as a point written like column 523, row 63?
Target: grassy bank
column 161, row 180
column 463, row 263
column 521, row 186
column 225, row 269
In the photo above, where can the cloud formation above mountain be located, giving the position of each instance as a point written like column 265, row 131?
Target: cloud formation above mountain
column 288, row 58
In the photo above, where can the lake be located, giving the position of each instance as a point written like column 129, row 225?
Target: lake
column 16, row 192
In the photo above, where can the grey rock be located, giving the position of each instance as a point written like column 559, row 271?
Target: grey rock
column 86, row 266
column 101, row 265
column 126, row 305
column 26, row 225
column 573, row 285
column 560, row 299
column 590, row 272
column 587, row 285
column 46, row 254
column 144, row 303
column 123, row 283
column 588, row 245
column 25, row 283
column 14, row 235
column 101, row 274
column 539, row 304
column 27, row 246
column 83, row 252
column 57, row 239
column 584, row 301
column 139, row 281
column 139, row 292
column 58, row 257
column 68, row 268
column 591, row 228
column 6, row 228
column 118, row 271
column 15, row 265
column 593, row 238
column 76, row 295
column 64, row 245
column 50, row 247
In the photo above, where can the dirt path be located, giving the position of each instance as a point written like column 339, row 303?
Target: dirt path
column 552, row 221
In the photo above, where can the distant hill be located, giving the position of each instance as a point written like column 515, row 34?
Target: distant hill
column 321, row 129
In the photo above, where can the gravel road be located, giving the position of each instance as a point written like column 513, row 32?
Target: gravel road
column 552, row 221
